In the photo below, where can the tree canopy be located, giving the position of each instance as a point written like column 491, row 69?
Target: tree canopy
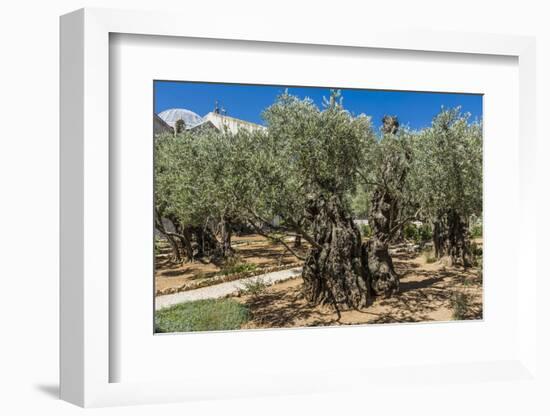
column 312, row 170
column 447, row 163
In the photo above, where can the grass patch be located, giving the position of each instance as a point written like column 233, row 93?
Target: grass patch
column 459, row 305
column 202, row 315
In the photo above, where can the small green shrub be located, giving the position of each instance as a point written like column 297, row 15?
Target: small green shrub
column 202, row 315
column 418, row 234
column 254, row 287
column 459, row 305
column 366, row 231
column 429, row 255
column 477, row 230
column 410, row 232
column 425, row 233
column 235, row 265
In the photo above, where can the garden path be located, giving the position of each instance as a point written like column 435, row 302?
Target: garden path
column 223, row 289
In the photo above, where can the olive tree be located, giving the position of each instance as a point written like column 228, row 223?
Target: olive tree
column 384, row 178
column 195, row 182
column 448, row 181
column 310, row 173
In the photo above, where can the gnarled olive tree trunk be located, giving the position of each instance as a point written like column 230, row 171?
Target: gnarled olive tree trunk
column 450, row 237
column 397, row 234
column 191, row 242
column 159, row 225
column 183, row 236
column 335, row 270
column 204, row 243
column 226, row 231
column 383, row 278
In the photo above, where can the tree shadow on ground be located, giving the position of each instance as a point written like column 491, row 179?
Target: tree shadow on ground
column 427, row 293
column 279, row 309
column 419, row 298
column 268, row 253
column 174, row 273
column 403, row 255
column 427, row 298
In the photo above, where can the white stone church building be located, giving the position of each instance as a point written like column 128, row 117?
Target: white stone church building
column 166, row 121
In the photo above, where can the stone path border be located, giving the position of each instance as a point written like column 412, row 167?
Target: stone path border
column 216, row 280
column 223, row 289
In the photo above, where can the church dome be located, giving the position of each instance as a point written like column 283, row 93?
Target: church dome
column 172, row 115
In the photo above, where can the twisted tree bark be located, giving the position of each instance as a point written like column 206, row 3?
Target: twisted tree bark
column 176, row 252
column 335, row 271
column 450, row 237
column 383, row 278
column 225, row 234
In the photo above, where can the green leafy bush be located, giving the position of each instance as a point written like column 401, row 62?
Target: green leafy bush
column 235, row 265
column 429, row 255
column 477, row 230
column 425, row 233
column 254, row 287
column 418, row 234
column 202, row 315
column 410, row 232
column 366, row 231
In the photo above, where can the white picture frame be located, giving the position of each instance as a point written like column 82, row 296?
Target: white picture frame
column 85, row 353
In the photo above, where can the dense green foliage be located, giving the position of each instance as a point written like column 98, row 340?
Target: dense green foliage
column 418, row 234
column 304, row 154
column 264, row 180
column 388, row 161
column 447, row 165
column 201, row 176
column 477, row 230
column 235, row 266
column 202, row 315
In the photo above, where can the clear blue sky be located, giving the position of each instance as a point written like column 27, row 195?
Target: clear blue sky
column 415, row 109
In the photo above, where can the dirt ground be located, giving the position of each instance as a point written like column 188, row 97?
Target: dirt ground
column 426, row 291
column 253, row 249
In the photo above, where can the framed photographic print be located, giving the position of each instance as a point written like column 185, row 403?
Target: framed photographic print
column 287, row 207
column 278, row 213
